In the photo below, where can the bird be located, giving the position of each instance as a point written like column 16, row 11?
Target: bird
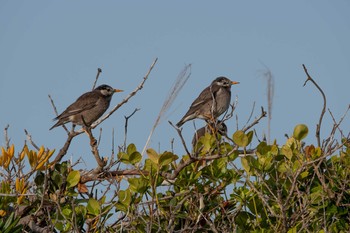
column 213, row 101
column 88, row 107
column 220, row 127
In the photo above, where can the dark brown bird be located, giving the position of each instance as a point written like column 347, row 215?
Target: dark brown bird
column 220, row 127
column 211, row 102
column 88, row 107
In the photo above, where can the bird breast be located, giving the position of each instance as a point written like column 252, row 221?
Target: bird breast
column 222, row 101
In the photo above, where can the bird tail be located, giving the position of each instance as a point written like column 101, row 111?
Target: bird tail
column 180, row 123
column 57, row 124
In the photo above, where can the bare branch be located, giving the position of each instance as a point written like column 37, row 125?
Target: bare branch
column 7, row 139
column 94, row 149
column 29, row 137
column 99, row 71
column 139, row 87
column 318, row 127
column 256, row 121
column 56, row 112
column 126, row 125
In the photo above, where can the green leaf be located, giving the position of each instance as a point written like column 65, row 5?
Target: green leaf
column 245, row 164
column 153, row 155
column 250, row 136
column 240, row 138
column 124, row 197
column 93, row 207
column 73, row 179
column 131, row 149
column 287, row 151
column 166, row 158
column 124, row 157
column 300, row 132
column 138, row 185
column 135, row 157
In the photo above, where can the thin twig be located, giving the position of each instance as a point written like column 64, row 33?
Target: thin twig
column 318, row 127
column 7, row 140
column 94, row 149
column 181, row 137
column 139, row 87
column 56, row 112
column 29, row 137
column 99, row 71
column 126, row 126
column 256, row 121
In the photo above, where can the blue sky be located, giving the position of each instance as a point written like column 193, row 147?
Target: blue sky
column 55, row 47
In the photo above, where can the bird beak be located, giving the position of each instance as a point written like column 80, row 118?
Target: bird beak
column 117, row 90
column 234, row 82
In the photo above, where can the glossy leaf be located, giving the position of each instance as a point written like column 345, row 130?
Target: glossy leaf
column 93, row 207
column 300, row 132
column 73, row 179
column 153, row 155
column 240, row 138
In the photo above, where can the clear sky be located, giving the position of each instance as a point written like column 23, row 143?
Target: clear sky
column 55, row 47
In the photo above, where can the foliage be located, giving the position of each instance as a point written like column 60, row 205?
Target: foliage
column 221, row 185
column 285, row 188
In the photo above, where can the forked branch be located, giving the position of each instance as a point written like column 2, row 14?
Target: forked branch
column 318, row 127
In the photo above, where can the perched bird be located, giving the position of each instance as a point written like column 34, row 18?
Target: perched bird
column 220, row 127
column 88, row 107
column 211, row 102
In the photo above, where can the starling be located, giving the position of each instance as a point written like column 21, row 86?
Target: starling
column 212, row 101
column 88, row 107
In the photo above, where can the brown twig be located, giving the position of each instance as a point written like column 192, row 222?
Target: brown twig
column 318, row 126
column 7, row 139
column 99, row 71
column 126, row 126
column 256, row 121
column 56, row 112
column 29, row 137
column 93, row 176
column 181, row 137
column 139, row 87
column 94, row 149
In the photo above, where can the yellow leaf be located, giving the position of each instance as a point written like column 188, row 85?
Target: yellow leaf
column 23, row 153
column 2, row 213
column 11, row 150
column 41, row 152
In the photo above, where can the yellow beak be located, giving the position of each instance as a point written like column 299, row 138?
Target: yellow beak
column 234, row 82
column 118, row 90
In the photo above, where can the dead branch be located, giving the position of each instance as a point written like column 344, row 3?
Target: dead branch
column 126, row 126
column 56, row 112
column 139, row 87
column 29, row 138
column 7, row 140
column 181, row 137
column 94, row 149
column 256, row 121
column 99, row 71
column 93, row 176
column 318, row 126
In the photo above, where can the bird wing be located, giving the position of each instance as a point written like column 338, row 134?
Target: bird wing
column 205, row 96
column 83, row 103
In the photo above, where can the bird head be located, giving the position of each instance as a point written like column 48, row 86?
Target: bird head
column 107, row 90
column 224, row 82
column 222, row 128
